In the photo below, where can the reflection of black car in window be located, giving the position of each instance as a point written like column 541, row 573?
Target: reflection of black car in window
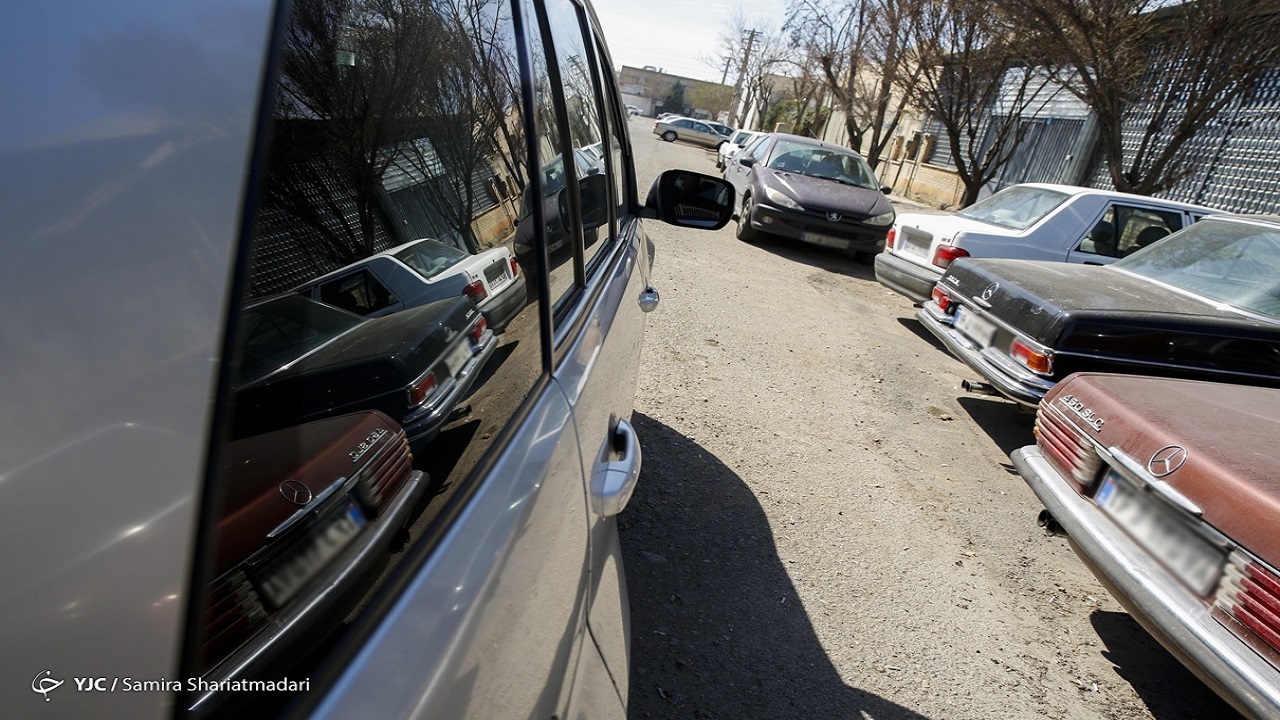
column 1202, row 304
column 555, row 209
column 309, row 517
column 305, row 360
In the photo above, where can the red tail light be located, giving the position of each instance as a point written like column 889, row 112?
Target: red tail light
column 475, row 291
column 515, row 268
column 1036, row 360
column 947, row 254
column 1250, row 592
column 941, row 297
column 1067, row 447
column 422, row 389
column 890, row 237
column 478, row 330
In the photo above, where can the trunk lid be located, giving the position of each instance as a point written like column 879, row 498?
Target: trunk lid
column 1226, row 431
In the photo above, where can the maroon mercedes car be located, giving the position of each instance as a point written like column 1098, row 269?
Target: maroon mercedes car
column 1169, row 490
column 310, row 514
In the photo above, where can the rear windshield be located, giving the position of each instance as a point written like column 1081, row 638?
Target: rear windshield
column 1015, row 208
column 1232, row 262
column 429, row 258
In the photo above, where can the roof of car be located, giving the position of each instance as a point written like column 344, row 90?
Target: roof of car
column 812, row 141
column 1079, row 190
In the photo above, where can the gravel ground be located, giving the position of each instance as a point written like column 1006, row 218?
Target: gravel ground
column 826, row 526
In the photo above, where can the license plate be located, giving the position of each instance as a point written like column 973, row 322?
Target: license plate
column 826, row 240
column 283, row 578
column 1165, row 535
column 914, row 243
column 457, row 358
column 974, row 327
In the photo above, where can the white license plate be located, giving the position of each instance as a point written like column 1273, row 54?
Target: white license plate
column 1166, row 536
column 457, row 357
column 974, row 327
column 283, row 578
column 826, row 240
column 915, row 244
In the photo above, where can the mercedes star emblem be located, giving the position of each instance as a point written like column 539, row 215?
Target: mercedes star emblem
column 990, row 290
column 295, row 492
column 1166, row 460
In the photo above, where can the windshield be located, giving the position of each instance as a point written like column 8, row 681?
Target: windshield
column 1016, row 208
column 429, row 257
column 277, row 332
column 1233, row 262
column 822, row 162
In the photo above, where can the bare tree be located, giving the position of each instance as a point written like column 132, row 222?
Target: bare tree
column 980, row 82
column 1167, row 70
column 755, row 50
column 863, row 50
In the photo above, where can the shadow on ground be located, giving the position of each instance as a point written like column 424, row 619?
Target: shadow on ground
column 717, row 629
column 1169, row 690
column 1004, row 421
column 833, row 261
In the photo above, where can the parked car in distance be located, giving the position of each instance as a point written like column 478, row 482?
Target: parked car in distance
column 1203, row 304
column 421, row 272
column 303, row 360
column 811, row 191
column 1160, row 486
column 689, row 130
column 735, row 143
column 1032, row 221
column 721, row 128
column 632, row 111
column 309, row 517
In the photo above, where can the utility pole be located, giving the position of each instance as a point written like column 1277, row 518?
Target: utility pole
column 742, row 72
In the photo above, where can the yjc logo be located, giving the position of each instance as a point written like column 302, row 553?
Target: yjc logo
column 44, row 684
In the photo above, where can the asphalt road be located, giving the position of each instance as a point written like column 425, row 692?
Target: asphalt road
column 827, row 526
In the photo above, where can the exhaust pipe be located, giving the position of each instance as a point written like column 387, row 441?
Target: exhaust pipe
column 1050, row 524
column 978, row 387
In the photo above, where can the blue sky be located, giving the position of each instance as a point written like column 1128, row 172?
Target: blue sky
column 673, row 34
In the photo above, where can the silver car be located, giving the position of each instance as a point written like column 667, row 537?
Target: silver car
column 688, row 130
column 166, row 167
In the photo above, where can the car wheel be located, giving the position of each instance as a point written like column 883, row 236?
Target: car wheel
column 669, row 136
column 745, row 232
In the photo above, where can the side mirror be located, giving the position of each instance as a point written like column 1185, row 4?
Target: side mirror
column 886, row 189
column 690, row 199
column 747, row 160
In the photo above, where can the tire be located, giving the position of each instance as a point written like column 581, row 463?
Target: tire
column 669, row 136
column 744, row 231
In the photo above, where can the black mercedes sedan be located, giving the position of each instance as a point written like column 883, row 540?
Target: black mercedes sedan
column 1204, row 303
column 304, row 360
column 807, row 190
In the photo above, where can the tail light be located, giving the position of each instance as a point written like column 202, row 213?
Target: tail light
column 383, row 475
column 1067, row 447
column 478, row 331
column 941, row 297
column 515, row 268
column 890, row 237
column 233, row 616
column 947, row 254
column 1250, row 592
column 476, row 292
column 422, row 389
column 1036, row 360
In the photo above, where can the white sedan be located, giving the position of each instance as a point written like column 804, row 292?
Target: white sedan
column 1032, row 221
column 730, row 148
